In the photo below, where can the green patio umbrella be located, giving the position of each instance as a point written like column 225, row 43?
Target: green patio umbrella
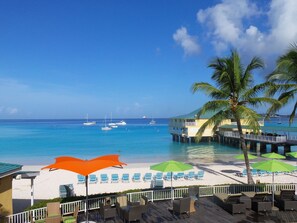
column 292, row 154
column 273, row 156
column 171, row 166
column 273, row 166
column 241, row 157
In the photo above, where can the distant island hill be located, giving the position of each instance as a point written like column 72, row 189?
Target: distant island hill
column 184, row 128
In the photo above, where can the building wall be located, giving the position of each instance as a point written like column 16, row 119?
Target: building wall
column 190, row 128
column 6, row 195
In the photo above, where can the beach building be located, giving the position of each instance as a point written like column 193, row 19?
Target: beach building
column 184, row 128
column 7, row 171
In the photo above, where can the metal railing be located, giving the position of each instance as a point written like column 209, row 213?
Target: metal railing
column 153, row 195
column 208, row 191
column 261, row 138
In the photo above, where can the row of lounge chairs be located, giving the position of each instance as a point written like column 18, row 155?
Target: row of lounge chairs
column 260, row 173
column 137, row 177
column 285, row 200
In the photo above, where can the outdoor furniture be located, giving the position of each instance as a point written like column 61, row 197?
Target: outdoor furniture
column 286, row 200
column 193, row 193
column 190, row 175
column 133, row 213
column 53, row 214
column 121, row 204
column 107, row 211
column 230, row 203
column 179, row 176
column 114, row 178
column 168, row 176
column 125, row 178
column 147, row 177
column 242, row 174
column 80, row 179
column 93, row 179
column 182, row 206
column 66, row 190
column 260, row 203
column 200, row 174
column 103, row 178
column 144, row 201
column 73, row 218
column 136, row 177
column 159, row 176
column 157, row 184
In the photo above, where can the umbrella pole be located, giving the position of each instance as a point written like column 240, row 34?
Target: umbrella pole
column 171, row 189
column 86, row 204
column 272, row 189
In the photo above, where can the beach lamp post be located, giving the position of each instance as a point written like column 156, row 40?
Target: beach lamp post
column 171, row 166
column 273, row 166
column 85, row 167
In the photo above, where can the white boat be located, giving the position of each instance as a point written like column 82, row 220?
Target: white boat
column 88, row 123
column 106, row 128
column 153, row 122
column 112, row 124
column 121, row 123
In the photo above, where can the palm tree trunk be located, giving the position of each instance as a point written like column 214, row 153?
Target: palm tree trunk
column 245, row 153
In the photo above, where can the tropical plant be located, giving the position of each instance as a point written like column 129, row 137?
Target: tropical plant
column 233, row 97
column 284, row 78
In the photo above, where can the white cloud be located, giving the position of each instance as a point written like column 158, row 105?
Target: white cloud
column 233, row 24
column 186, row 41
column 8, row 110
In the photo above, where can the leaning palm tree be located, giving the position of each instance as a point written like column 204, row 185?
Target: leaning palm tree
column 284, row 78
column 233, row 97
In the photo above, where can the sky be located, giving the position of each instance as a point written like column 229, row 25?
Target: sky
column 67, row 59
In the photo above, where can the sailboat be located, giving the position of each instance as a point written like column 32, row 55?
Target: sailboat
column 105, row 128
column 112, row 124
column 88, row 123
column 152, row 122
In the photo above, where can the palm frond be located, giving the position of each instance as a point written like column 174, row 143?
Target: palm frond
column 213, row 106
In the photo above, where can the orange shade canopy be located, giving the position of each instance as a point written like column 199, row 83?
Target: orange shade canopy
column 85, row 167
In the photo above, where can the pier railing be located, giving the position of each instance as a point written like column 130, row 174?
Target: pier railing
column 260, row 138
column 153, row 195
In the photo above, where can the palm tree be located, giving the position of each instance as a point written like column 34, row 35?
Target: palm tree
column 233, row 96
column 284, row 78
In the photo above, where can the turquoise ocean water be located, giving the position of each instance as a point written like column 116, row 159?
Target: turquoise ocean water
column 40, row 141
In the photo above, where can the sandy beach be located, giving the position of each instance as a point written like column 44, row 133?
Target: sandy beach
column 46, row 185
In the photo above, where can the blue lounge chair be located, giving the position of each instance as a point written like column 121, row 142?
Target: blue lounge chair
column 147, row 177
column 262, row 173
column 254, row 172
column 159, row 176
column 179, row 176
column 136, row 177
column 125, row 178
column 93, row 179
column 168, row 176
column 190, row 175
column 114, row 178
column 200, row 174
column 80, row 179
column 103, row 178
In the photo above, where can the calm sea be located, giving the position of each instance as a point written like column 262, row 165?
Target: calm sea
column 40, row 141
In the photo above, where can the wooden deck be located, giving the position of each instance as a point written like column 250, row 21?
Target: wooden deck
column 206, row 212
